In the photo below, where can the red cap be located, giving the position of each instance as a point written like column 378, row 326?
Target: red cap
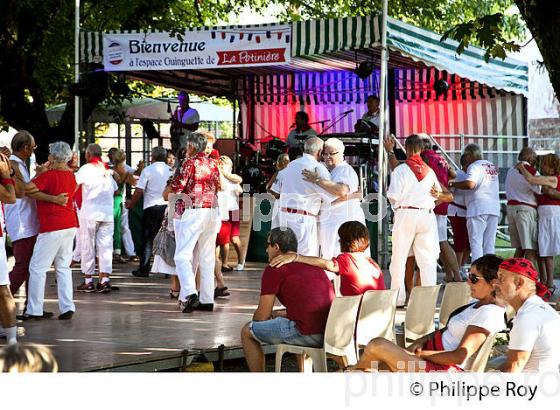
column 525, row 267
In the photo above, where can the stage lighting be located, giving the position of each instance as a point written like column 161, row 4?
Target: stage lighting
column 364, row 70
column 441, row 87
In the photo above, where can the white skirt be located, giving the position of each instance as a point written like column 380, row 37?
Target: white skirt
column 549, row 230
column 159, row 266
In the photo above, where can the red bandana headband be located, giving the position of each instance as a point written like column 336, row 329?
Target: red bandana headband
column 524, row 267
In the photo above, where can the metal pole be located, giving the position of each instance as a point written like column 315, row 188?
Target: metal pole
column 382, row 168
column 77, row 78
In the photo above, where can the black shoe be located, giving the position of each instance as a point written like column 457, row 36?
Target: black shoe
column 66, row 315
column 227, row 269
column 86, row 287
column 205, row 307
column 27, row 316
column 104, row 287
column 139, row 273
column 221, row 292
column 190, row 304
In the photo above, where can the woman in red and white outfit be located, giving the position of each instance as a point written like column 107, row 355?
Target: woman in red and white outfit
column 7, row 304
column 57, row 228
column 549, row 213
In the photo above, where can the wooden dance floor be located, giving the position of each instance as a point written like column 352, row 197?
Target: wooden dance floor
column 139, row 327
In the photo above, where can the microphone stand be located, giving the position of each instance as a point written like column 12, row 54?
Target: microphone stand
column 322, row 122
column 336, row 121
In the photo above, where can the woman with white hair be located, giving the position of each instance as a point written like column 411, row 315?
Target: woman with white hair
column 344, row 184
column 57, row 228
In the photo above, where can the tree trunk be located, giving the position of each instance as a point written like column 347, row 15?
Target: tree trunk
column 543, row 20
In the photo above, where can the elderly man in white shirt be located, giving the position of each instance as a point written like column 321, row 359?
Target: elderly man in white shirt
column 533, row 340
column 96, row 217
column 482, row 200
column 344, row 182
column 151, row 185
column 300, row 201
column 21, row 218
column 413, row 191
column 522, row 207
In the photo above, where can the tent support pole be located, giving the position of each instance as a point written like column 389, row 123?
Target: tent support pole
column 382, row 168
column 77, row 77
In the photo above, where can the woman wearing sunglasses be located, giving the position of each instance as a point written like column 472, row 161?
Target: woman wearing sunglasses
column 452, row 348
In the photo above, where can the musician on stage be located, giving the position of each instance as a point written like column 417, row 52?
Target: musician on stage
column 183, row 122
column 302, row 129
column 370, row 120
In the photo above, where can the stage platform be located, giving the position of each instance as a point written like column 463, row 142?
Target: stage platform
column 139, row 327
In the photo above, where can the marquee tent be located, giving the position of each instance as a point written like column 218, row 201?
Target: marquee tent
column 485, row 98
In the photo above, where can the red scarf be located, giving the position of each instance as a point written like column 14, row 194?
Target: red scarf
column 418, row 167
column 97, row 160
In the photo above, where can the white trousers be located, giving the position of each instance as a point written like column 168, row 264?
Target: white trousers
column 197, row 227
column 126, row 235
column 97, row 236
column 416, row 229
column 305, row 228
column 77, row 255
column 482, row 234
column 51, row 248
column 4, row 277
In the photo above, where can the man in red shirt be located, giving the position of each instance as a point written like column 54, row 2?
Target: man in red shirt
column 57, row 228
column 304, row 290
column 199, row 180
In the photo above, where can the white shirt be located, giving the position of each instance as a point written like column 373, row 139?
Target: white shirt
column 21, row 217
column 293, row 142
column 348, row 210
column 295, row 193
column 489, row 317
column 536, row 329
column 277, row 184
column 153, row 180
column 98, row 189
column 405, row 189
column 228, row 198
column 188, row 117
column 519, row 189
column 459, row 197
column 484, row 198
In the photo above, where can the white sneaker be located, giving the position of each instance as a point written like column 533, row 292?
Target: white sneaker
column 240, row 266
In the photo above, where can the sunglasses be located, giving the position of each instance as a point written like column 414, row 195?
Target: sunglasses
column 474, row 278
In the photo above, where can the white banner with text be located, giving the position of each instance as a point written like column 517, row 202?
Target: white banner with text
column 190, row 50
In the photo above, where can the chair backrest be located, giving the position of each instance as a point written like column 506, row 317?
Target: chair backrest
column 341, row 325
column 479, row 359
column 455, row 294
column 377, row 315
column 419, row 318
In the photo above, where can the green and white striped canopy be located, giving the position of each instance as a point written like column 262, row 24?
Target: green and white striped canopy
column 334, row 44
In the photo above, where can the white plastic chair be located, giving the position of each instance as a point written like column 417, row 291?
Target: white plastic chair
column 455, row 294
column 479, row 360
column 339, row 337
column 419, row 317
column 377, row 316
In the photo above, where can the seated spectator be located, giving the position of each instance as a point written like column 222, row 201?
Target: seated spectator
column 533, row 340
column 30, row 358
column 306, row 293
column 358, row 272
column 452, row 348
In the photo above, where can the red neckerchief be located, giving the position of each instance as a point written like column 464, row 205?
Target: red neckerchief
column 97, row 160
column 418, row 166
